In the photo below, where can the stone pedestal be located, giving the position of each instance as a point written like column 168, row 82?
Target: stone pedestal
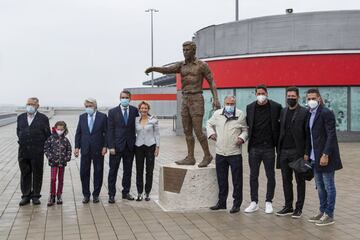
column 183, row 188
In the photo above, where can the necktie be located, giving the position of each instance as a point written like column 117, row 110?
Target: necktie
column 91, row 123
column 125, row 116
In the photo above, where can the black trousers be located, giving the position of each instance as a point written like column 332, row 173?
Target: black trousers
column 85, row 166
column 114, row 162
column 267, row 156
column 31, row 169
column 222, row 172
column 287, row 156
column 144, row 154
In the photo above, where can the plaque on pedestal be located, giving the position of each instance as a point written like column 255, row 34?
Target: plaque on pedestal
column 184, row 187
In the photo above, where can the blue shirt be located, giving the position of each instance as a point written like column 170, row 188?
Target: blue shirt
column 311, row 123
column 89, row 118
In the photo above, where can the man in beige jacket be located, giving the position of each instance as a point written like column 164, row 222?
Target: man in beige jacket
column 228, row 128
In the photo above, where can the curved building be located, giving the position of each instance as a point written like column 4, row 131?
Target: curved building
column 316, row 49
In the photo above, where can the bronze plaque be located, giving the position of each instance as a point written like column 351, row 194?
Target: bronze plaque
column 173, row 179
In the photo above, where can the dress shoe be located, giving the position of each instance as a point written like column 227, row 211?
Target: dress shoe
column 51, row 201
column 96, row 199
column 206, row 161
column 234, row 209
column 186, row 161
column 85, row 200
column 36, row 201
column 111, row 199
column 217, row 207
column 147, row 197
column 139, row 198
column 24, row 202
column 59, row 200
column 128, row 197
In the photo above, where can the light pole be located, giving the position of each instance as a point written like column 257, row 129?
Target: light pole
column 236, row 10
column 151, row 11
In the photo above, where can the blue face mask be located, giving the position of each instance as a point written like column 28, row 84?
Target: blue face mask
column 30, row 109
column 124, row 102
column 229, row 109
column 89, row 111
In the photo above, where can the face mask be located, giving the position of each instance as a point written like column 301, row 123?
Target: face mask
column 60, row 132
column 313, row 104
column 30, row 109
column 229, row 109
column 291, row 102
column 124, row 102
column 261, row 98
column 89, row 111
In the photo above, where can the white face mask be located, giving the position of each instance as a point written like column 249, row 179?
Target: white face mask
column 261, row 98
column 60, row 132
column 313, row 104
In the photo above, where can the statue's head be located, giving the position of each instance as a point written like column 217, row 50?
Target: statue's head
column 189, row 49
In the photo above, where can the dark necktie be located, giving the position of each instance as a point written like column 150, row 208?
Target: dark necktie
column 125, row 116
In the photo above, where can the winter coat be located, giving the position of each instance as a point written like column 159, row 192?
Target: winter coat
column 57, row 150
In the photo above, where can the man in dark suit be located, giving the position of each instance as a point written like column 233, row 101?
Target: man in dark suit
column 263, row 121
column 292, row 145
column 91, row 139
column 33, row 129
column 325, row 156
column 121, row 141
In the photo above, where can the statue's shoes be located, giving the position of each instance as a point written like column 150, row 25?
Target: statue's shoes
column 205, row 162
column 186, row 161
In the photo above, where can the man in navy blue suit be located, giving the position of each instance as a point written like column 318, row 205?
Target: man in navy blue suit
column 121, row 141
column 91, row 139
column 324, row 154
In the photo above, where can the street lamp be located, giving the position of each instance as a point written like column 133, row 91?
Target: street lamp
column 236, row 10
column 151, row 11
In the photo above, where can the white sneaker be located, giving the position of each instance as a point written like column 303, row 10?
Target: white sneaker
column 268, row 207
column 253, row 207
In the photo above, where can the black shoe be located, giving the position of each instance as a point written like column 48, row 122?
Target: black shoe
column 147, row 197
column 111, row 199
column 36, row 201
column 86, row 200
column 128, row 197
column 59, row 200
column 235, row 209
column 217, row 207
column 297, row 213
column 96, row 199
column 24, row 201
column 285, row 211
column 51, row 201
column 139, row 198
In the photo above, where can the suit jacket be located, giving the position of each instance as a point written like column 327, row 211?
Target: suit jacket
column 299, row 130
column 91, row 143
column 120, row 134
column 32, row 138
column 275, row 109
column 325, row 140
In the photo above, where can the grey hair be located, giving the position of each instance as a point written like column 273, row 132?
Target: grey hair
column 91, row 100
column 34, row 99
column 230, row 96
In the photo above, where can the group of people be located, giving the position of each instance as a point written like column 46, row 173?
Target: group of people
column 277, row 136
column 127, row 131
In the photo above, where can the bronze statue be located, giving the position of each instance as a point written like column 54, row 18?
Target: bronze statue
column 192, row 71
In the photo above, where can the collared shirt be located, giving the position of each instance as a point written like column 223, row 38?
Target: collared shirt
column 123, row 110
column 30, row 118
column 149, row 134
column 89, row 118
column 311, row 123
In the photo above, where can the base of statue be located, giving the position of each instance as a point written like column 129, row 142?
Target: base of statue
column 186, row 187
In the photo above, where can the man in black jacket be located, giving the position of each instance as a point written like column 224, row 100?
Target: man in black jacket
column 263, row 121
column 121, row 142
column 33, row 129
column 293, row 142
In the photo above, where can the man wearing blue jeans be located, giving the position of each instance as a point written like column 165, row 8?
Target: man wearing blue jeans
column 325, row 156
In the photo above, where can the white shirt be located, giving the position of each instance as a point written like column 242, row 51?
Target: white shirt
column 149, row 134
column 123, row 110
column 30, row 118
column 89, row 118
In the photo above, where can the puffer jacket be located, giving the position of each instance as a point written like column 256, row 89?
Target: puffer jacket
column 57, row 150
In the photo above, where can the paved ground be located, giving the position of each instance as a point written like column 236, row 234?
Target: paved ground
column 145, row 220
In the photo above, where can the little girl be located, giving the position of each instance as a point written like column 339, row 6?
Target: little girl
column 58, row 151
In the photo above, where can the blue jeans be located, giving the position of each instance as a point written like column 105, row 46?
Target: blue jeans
column 325, row 185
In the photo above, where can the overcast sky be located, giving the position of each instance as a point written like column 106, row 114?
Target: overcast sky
column 63, row 51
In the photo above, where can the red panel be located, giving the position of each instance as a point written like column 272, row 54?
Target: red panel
column 149, row 97
column 303, row 70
